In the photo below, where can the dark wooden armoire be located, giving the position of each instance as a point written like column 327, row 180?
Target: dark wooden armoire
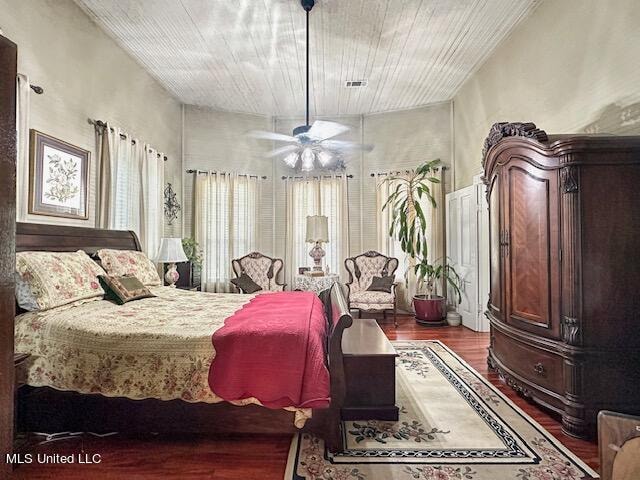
column 564, row 303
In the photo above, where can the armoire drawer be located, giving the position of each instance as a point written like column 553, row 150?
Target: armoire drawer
column 536, row 365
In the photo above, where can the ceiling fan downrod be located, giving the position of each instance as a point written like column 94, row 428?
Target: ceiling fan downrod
column 307, row 5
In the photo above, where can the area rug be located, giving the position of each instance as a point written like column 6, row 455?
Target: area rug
column 453, row 425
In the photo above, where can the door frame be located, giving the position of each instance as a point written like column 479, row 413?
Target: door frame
column 482, row 254
column 476, row 320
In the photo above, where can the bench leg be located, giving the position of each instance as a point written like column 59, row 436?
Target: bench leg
column 395, row 316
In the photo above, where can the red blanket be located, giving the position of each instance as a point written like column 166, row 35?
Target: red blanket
column 273, row 349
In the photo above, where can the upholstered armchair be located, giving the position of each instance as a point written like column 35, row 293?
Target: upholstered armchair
column 362, row 268
column 261, row 269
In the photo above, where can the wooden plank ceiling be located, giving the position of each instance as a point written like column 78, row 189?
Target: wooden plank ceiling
column 249, row 55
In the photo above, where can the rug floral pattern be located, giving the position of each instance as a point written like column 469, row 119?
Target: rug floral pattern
column 486, row 437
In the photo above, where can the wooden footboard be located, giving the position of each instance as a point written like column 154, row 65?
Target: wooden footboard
column 328, row 423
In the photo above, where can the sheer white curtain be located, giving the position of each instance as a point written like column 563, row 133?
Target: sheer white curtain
column 225, row 224
column 23, row 92
column 391, row 246
column 131, row 187
column 327, row 196
column 152, row 197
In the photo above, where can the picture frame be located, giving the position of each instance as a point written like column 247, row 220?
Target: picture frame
column 302, row 270
column 58, row 177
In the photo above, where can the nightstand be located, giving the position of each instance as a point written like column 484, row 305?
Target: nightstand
column 19, row 365
column 20, row 373
column 192, row 288
column 189, row 277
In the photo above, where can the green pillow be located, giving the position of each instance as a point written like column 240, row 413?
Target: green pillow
column 244, row 283
column 123, row 289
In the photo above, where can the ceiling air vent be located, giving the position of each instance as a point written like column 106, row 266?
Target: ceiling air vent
column 355, row 83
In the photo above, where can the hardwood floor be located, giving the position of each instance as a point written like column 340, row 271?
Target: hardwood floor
column 254, row 457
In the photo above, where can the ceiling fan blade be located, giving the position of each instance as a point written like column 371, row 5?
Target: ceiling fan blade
column 278, row 137
column 282, row 150
column 322, row 130
column 346, row 145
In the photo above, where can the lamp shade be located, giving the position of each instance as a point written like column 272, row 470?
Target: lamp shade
column 171, row 251
column 317, row 228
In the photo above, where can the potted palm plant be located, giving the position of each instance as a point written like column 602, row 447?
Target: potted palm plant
column 409, row 226
column 194, row 255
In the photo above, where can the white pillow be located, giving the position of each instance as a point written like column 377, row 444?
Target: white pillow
column 25, row 297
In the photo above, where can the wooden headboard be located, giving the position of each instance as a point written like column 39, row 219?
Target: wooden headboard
column 61, row 238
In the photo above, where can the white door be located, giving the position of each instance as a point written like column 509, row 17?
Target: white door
column 467, row 251
column 461, row 250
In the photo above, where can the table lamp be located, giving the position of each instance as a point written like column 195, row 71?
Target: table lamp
column 317, row 232
column 171, row 252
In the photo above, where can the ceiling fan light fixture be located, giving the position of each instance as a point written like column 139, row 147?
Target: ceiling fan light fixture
column 324, row 158
column 291, row 160
column 311, row 143
column 307, row 158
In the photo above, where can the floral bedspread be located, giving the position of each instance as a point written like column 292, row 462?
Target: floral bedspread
column 150, row 348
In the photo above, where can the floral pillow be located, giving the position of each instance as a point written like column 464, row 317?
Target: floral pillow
column 59, row 278
column 130, row 263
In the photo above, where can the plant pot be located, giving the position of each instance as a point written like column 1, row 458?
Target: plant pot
column 430, row 311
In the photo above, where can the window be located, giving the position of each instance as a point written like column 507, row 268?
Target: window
column 225, row 224
column 128, row 179
column 316, row 196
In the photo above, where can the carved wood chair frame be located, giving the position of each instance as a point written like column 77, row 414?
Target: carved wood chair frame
column 384, row 272
column 272, row 273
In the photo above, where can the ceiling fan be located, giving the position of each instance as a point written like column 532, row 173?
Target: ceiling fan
column 311, row 143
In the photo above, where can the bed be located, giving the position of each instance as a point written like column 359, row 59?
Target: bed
column 90, row 371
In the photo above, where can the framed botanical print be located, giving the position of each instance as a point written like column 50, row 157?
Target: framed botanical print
column 58, row 178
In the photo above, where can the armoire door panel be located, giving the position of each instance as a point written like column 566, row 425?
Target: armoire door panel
column 495, row 252
column 530, row 248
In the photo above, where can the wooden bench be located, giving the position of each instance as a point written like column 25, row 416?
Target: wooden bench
column 370, row 372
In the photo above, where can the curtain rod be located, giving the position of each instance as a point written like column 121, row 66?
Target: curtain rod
column 373, row 174
column 284, row 177
column 101, row 124
column 191, row 170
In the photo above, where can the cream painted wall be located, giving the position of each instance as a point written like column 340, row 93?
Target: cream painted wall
column 571, row 66
column 402, row 140
column 214, row 141
column 85, row 75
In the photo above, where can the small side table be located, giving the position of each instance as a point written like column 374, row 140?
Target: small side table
column 314, row 284
column 19, row 359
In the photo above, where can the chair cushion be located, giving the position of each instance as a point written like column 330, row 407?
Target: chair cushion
column 381, row 284
column 366, row 299
column 123, row 289
column 244, row 283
